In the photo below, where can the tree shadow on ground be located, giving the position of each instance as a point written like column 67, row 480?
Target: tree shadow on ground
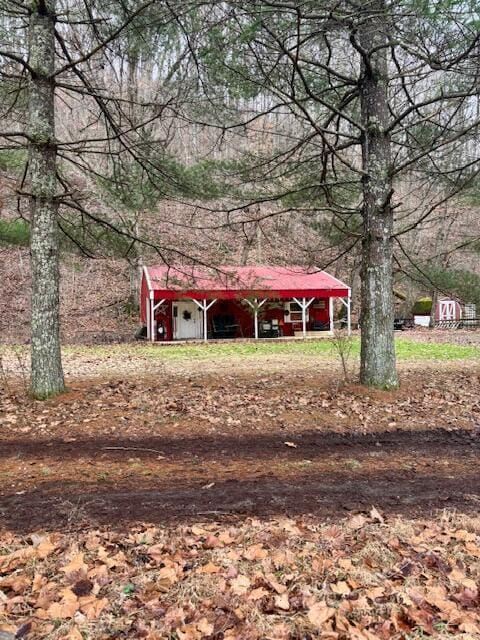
column 250, row 446
column 257, row 486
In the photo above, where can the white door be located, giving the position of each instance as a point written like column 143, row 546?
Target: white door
column 187, row 320
column 447, row 310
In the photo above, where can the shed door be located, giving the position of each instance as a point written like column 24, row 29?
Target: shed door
column 187, row 320
column 447, row 310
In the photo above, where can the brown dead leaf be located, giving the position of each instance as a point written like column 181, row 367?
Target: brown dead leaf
column 376, row 516
column 375, row 592
column 319, row 613
column 38, row 582
column 174, row 617
column 76, row 569
column 469, row 626
column 357, row 522
column 46, row 547
column 167, row 577
column 340, row 588
column 226, row 538
column 459, row 577
column 463, row 535
column 255, row 552
column 240, row 585
column 92, row 607
column 156, row 552
column 205, row 627
column 209, row 568
column 100, row 575
column 274, row 584
column 13, row 560
column 257, row 594
column 17, row 583
column 422, row 618
column 64, row 609
column 473, row 549
column 189, row 632
column 282, row 602
column 467, row 597
column 345, row 563
column 212, row 542
column 198, row 531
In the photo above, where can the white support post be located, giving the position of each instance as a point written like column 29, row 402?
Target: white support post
column 255, row 305
column 304, row 319
column 204, row 306
column 152, row 320
column 330, row 314
column 349, row 315
column 148, row 317
column 304, row 304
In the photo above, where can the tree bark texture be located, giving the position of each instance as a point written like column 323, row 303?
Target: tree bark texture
column 378, row 367
column 46, row 375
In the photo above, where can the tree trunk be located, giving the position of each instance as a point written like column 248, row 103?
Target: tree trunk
column 377, row 314
column 135, row 267
column 47, row 375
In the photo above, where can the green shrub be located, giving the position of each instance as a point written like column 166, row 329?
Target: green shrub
column 422, row 307
column 14, row 232
column 12, row 160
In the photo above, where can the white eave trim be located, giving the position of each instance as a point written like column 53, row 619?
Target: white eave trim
column 339, row 282
column 149, row 283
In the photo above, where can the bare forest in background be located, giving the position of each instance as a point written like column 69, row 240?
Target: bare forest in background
column 344, row 137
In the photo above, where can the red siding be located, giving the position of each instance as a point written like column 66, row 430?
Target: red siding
column 458, row 311
column 164, row 315
column 143, row 297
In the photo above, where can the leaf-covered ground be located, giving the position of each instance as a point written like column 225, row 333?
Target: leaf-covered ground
column 189, row 497
column 362, row 578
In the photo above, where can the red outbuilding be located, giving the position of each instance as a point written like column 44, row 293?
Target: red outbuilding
column 185, row 303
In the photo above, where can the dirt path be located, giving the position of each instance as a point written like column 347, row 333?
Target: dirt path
column 326, row 475
column 229, row 444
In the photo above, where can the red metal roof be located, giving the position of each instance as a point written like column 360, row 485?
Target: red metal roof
column 232, row 282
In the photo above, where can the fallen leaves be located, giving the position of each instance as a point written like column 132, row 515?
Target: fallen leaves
column 368, row 578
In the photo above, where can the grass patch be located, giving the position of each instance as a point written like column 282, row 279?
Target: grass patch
column 210, row 351
column 406, row 350
column 413, row 350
